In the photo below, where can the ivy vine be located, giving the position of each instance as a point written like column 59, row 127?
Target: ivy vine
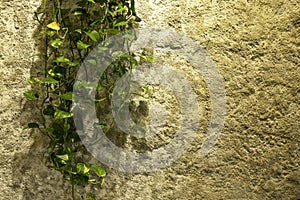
column 69, row 31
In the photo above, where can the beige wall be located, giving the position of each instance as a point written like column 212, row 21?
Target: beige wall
column 254, row 46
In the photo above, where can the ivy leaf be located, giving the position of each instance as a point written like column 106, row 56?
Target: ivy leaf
column 78, row 31
column 73, row 64
column 60, row 114
column 98, row 170
column 112, row 31
column 64, row 157
column 67, row 96
column 79, row 11
column 121, row 23
column 148, row 58
column 90, row 197
column 120, row 8
column 30, row 81
column 82, row 168
column 94, row 35
column 117, row 54
column 31, row 95
column 62, row 59
column 31, row 125
column 56, row 43
column 54, row 26
column 81, row 45
column 93, row 62
column 49, row 80
column 137, row 19
column 49, row 110
column 49, row 33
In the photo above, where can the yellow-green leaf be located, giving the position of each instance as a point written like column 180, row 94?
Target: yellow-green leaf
column 31, row 95
column 62, row 59
column 56, row 43
column 49, row 80
column 82, row 168
column 94, row 35
column 92, row 61
column 60, row 114
column 121, row 23
column 54, row 26
column 99, row 171
column 81, row 45
column 67, row 96
column 64, row 157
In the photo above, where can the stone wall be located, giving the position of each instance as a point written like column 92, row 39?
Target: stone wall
column 255, row 46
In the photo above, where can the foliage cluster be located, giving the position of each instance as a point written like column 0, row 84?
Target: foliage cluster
column 69, row 32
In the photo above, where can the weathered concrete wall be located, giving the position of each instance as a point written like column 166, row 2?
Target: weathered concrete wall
column 255, row 46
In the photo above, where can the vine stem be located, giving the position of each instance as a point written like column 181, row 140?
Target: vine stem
column 73, row 192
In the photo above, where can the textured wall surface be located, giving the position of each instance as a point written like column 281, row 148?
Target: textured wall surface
column 255, row 46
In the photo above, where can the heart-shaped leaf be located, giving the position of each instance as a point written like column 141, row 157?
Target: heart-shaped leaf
column 54, row 26
column 60, row 114
column 81, row 45
column 31, row 95
column 94, row 35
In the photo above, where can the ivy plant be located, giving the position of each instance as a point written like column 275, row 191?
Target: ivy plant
column 69, row 32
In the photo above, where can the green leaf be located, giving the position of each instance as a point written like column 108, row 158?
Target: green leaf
column 73, row 64
column 81, row 45
column 60, row 114
column 90, row 197
column 111, row 13
column 91, row 61
column 58, row 71
column 49, row 33
column 82, row 168
column 79, row 11
column 112, row 31
column 56, row 43
column 30, row 81
column 92, row 1
column 78, row 31
column 148, row 58
column 79, row 84
column 121, row 23
column 64, row 157
column 137, row 19
column 128, row 36
column 49, row 80
column 117, row 54
column 31, row 95
column 101, row 125
column 94, row 181
column 120, row 8
column 98, row 170
column 49, row 110
column 31, row 125
column 67, row 96
column 94, row 35
column 62, row 59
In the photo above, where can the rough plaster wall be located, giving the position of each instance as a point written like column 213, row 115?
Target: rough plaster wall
column 16, row 47
column 255, row 45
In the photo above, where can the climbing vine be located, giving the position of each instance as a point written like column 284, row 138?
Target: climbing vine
column 69, row 30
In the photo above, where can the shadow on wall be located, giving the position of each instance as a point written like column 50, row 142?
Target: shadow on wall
column 31, row 177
